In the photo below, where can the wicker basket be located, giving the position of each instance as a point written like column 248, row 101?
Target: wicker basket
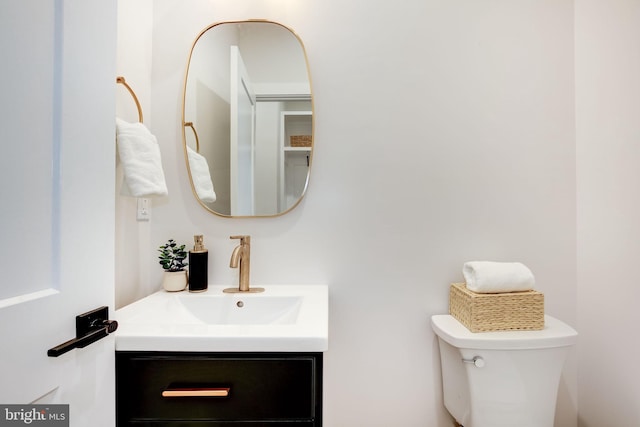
column 301, row 140
column 496, row 312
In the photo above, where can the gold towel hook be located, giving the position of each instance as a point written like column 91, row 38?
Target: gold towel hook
column 190, row 124
column 123, row 82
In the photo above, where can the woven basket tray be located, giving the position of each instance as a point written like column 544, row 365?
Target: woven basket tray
column 301, row 140
column 496, row 312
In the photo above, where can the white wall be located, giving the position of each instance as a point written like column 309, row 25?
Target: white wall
column 608, row 149
column 444, row 133
column 134, row 49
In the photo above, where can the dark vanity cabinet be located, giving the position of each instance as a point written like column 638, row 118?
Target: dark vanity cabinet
column 181, row 389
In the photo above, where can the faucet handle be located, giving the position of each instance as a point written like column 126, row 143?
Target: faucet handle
column 244, row 239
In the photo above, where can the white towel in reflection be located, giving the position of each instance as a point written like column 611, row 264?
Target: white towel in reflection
column 140, row 158
column 494, row 277
column 201, row 176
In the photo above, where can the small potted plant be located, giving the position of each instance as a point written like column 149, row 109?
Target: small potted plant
column 172, row 257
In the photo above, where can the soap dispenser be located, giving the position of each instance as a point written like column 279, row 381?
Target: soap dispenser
column 198, row 265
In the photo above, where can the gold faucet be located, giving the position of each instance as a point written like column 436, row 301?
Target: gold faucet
column 241, row 259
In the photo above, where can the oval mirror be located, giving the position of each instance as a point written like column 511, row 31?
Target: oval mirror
column 248, row 119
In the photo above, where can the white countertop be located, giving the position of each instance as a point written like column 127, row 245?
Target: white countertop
column 166, row 321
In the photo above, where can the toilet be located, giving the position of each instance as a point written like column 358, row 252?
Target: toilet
column 503, row 378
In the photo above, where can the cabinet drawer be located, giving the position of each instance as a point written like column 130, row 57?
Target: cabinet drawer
column 205, row 423
column 261, row 387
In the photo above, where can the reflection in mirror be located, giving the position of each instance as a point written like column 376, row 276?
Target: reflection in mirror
column 248, row 119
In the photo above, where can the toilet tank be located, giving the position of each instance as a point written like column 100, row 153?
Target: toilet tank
column 514, row 381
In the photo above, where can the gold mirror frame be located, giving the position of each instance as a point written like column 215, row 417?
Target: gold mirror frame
column 185, row 123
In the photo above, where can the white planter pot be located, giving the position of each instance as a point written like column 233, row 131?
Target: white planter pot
column 174, row 281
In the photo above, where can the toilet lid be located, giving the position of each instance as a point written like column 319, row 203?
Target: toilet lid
column 554, row 334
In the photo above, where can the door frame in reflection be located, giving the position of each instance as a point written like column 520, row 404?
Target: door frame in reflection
column 243, row 106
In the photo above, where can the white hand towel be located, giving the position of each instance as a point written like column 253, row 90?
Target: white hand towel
column 201, row 176
column 494, row 277
column 141, row 163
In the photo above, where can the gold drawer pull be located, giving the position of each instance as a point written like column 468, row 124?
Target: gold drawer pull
column 196, row 392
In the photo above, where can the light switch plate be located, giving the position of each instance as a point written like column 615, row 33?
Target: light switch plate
column 144, row 209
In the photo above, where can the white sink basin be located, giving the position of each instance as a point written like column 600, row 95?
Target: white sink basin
column 288, row 318
column 256, row 310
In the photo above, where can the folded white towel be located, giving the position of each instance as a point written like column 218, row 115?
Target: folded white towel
column 494, row 277
column 141, row 163
column 201, row 176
